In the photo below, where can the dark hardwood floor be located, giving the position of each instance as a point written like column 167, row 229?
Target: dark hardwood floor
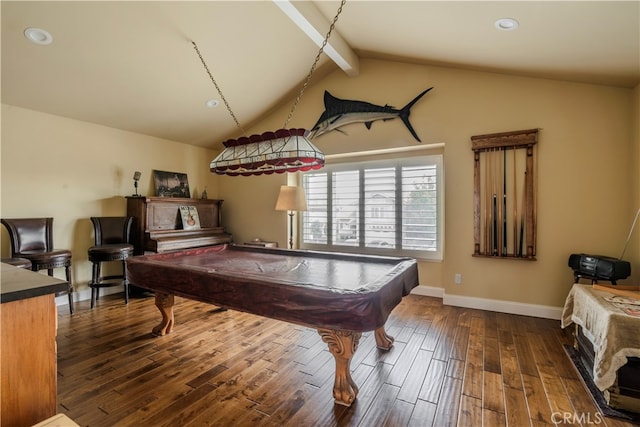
column 449, row 366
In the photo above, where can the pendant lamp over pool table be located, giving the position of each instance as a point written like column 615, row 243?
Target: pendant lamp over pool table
column 285, row 150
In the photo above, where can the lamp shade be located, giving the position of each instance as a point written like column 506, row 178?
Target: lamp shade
column 291, row 199
column 285, row 150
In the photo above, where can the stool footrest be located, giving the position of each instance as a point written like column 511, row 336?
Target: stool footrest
column 106, row 283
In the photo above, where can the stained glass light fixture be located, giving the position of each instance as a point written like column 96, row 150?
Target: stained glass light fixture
column 285, row 150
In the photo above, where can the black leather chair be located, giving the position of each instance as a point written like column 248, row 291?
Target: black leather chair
column 18, row 262
column 112, row 237
column 32, row 238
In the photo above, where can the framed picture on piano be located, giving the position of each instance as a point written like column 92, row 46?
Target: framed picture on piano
column 171, row 184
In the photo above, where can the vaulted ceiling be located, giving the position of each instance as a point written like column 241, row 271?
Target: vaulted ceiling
column 132, row 66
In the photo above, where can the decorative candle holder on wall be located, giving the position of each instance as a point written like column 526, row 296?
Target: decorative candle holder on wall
column 505, row 198
column 136, row 178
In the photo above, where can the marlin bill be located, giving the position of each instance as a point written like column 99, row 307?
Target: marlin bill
column 340, row 112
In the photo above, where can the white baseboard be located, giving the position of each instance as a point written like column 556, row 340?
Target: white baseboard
column 511, row 307
column 428, row 291
column 85, row 295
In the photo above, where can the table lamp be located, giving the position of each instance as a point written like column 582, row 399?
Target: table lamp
column 291, row 199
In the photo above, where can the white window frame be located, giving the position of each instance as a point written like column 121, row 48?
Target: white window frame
column 408, row 159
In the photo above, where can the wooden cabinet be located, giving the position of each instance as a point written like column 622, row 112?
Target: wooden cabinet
column 157, row 225
column 28, row 346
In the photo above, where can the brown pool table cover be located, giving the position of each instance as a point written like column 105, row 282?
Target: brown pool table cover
column 320, row 289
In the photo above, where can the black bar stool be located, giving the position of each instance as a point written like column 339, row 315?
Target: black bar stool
column 32, row 238
column 111, row 244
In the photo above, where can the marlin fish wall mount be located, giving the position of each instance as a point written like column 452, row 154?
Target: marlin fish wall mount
column 340, row 112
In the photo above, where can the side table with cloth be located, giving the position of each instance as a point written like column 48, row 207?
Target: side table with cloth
column 613, row 334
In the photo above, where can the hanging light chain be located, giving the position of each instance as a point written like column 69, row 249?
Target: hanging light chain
column 195, row 46
column 315, row 62
column 304, row 86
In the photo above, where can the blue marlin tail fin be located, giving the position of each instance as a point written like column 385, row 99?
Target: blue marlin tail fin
column 406, row 110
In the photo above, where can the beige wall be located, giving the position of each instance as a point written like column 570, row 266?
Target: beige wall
column 633, row 251
column 72, row 170
column 586, row 190
column 589, row 153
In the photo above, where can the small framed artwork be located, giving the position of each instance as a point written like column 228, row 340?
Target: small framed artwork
column 190, row 218
column 171, row 184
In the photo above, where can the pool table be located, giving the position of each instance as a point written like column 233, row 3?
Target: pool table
column 340, row 295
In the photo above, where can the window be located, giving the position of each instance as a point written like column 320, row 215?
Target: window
column 390, row 207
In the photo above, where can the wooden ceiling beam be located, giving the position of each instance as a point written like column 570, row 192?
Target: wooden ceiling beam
column 309, row 19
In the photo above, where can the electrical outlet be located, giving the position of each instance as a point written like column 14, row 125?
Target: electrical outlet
column 458, row 278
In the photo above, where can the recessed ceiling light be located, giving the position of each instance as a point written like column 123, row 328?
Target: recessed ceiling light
column 506, row 24
column 38, row 36
column 212, row 103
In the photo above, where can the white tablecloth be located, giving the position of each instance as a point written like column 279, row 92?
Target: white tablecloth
column 614, row 334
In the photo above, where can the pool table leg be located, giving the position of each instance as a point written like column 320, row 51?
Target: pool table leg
column 342, row 344
column 165, row 303
column 383, row 341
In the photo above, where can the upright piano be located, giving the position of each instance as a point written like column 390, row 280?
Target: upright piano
column 157, row 224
